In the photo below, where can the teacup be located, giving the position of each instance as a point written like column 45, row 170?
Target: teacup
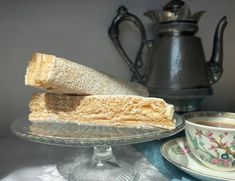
column 211, row 138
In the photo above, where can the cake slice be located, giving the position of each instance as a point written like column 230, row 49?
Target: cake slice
column 104, row 110
column 59, row 75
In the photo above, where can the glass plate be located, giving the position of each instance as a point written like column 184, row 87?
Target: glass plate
column 100, row 137
column 68, row 134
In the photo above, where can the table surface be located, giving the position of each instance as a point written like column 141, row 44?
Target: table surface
column 151, row 150
column 22, row 160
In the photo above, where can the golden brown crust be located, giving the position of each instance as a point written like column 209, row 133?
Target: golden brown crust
column 59, row 75
column 102, row 110
column 38, row 69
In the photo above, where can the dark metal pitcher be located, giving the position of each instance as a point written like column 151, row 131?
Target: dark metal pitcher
column 176, row 69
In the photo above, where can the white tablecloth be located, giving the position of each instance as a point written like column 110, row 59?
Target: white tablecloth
column 22, row 160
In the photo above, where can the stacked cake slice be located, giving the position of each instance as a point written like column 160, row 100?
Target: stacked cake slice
column 82, row 95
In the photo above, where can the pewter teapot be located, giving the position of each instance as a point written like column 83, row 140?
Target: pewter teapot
column 176, row 69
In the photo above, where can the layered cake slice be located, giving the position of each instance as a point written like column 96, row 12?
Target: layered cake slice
column 104, row 110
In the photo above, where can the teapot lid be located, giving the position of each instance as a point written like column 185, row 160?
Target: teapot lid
column 175, row 10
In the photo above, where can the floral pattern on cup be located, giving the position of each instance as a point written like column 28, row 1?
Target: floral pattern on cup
column 179, row 150
column 222, row 149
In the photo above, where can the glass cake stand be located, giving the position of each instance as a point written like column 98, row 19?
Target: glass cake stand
column 99, row 137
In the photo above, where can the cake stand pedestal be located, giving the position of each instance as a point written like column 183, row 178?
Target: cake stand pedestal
column 103, row 165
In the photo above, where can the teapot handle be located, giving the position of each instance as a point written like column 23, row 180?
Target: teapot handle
column 124, row 15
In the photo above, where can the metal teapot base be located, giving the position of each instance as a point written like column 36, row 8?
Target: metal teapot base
column 184, row 100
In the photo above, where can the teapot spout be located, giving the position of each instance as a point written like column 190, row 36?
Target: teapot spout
column 215, row 65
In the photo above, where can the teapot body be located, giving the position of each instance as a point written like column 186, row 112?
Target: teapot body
column 177, row 62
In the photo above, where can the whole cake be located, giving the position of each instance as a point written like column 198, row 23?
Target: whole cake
column 105, row 110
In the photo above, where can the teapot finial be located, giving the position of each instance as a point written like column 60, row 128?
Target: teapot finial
column 175, row 10
column 173, row 6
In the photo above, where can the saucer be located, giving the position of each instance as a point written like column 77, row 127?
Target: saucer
column 177, row 152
